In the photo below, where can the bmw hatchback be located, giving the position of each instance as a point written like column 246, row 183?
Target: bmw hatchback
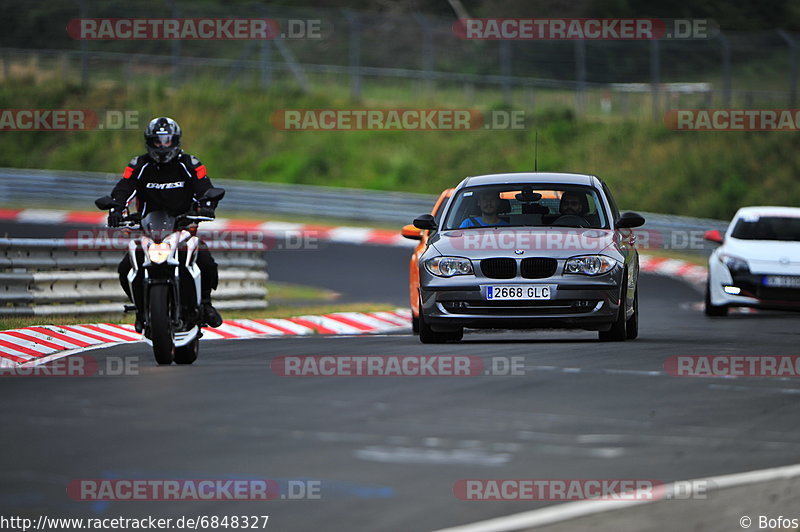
column 529, row 250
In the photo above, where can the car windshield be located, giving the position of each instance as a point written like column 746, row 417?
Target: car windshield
column 527, row 205
column 767, row 228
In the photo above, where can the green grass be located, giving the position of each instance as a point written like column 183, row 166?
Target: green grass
column 648, row 166
column 289, row 293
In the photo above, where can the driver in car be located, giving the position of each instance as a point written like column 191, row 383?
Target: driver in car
column 488, row 202
column 571, row 204
column 167, row 179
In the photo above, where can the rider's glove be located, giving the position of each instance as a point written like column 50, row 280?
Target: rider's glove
column 114, row 217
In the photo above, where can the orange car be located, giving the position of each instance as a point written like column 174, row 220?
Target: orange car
column 411, row 232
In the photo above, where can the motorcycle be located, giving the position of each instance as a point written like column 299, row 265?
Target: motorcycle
column 164, row 279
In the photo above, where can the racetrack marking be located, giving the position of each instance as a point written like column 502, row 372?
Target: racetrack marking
column 730, row 387
column 565, row 512
column 426, row 455
column 42, row 216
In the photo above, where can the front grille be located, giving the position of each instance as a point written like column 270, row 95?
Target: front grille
column 778, row 294
column 499, row 268
column 520, row 308
column 538, row 267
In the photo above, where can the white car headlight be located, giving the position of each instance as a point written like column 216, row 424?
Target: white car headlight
column 734, row 264
column 449, row 266
column 590, row 265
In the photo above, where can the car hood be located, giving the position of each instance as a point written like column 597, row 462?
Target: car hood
column 762, row 249
column 764, row 255
column 556, row 242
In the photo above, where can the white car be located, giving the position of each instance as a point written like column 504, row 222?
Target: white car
column 758, row 262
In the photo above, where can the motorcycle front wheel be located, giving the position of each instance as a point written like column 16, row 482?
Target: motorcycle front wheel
column 161, row 324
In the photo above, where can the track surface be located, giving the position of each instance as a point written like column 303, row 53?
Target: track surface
column 388, row 450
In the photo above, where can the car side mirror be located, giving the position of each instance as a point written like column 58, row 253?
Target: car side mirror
column 629, row 220
column 426, row 221
column 713, row 235
column 213, row 194
column 411, row 232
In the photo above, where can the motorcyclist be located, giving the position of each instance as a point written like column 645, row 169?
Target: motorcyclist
column 167, row 179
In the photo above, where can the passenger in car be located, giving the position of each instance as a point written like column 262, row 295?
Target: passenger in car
column 489, row 203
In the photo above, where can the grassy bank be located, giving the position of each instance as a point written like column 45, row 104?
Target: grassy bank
column 650, row 167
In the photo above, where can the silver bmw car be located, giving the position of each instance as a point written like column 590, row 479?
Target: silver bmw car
column 529, row 250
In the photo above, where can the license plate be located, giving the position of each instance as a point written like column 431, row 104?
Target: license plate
column 781, row 281
column 518, row 292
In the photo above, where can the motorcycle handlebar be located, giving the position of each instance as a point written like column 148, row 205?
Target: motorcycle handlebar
column 134, row 221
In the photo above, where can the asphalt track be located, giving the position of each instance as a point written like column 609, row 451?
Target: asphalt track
column 388, row 451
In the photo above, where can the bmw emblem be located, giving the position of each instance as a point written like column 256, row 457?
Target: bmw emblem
column 519, row 251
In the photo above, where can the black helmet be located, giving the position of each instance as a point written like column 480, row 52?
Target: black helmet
column 163, row 139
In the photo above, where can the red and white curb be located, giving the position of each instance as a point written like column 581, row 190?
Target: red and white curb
column 343, row 234
column 676, row 268
column 37, row 345
column 679, row 269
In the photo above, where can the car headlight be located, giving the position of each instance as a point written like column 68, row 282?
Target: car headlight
column 449, row 266
column 734, row 264
column 590, row 265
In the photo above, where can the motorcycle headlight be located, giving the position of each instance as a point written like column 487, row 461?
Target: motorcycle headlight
column 590, row 265
column 449, row 266
column 734, row 264
column 159, row 253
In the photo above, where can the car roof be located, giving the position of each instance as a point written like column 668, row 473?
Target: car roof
column 534, row 177
column 767, row 210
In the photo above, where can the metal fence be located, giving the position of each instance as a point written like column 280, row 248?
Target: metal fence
column 55, row 276
column 371, row 55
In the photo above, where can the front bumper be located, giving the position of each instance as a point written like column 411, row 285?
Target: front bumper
column 577, row 303
column 753, row 293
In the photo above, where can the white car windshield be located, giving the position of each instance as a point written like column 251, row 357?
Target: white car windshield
column 527, row 205
column 767, row 228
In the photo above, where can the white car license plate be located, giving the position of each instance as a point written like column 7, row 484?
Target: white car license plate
column 781, row 281
column 518, row 292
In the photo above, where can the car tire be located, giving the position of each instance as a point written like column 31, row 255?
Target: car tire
column 617, row 331
column 632, row 325
column 429, row 336
column 711, row 309
column 415, row 325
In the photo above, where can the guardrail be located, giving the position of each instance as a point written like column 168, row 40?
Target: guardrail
column 79, row 189
column 56, row 276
